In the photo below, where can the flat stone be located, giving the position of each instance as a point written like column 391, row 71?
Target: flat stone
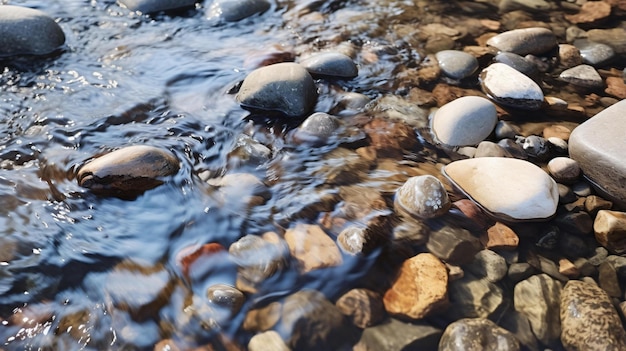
column 453, row 245
column 509, row 87
column 364, row 307
column 477, row 334
column 598, row 145
column 538, row 298
column 332, row 64
column 507, row 188
column 236, row 10
column 465, row 121
column 129, row 170
column 525, row 41
column 284, row 87
column 420, row 289
column 395, row 335
column 472, row 297
column 422, row 197
column 610, row 230
column 591, row 12
column 150, row 6
column 588, row 319
column 312, row 247
column 500, row 237
column 594, row 54
column 456, row 64
column 583, row 76
column 25, row 31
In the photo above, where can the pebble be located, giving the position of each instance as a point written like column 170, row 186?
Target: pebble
column 594, row 54
column 312, row 247
column 267, row 341
column 456, row 64
column 420, row 289
column 588, row 319
column 524, row 5
column 509, row 87
column 568, row 269
column 535, row 147
column 616, row 87
column 332, row 64
column 538, row 298
column 25, row 31
column 236, row 10
column 422, row 197
column 508, row 188
column 257, row 258
column 556, row 131
column 591, row 12
column 517, row 62
column 500, row 237
column 525, row 41
column 564, row 170
column 453, row 245
column 506, row 130
column 569, row 56
column 609, row 228
column 317, row 128
column 471, row 297
column 128, row 171
column 598, row 146
column 465, row 121
column 151, row 6
column 364, row 307
column 513, row 149
column 594, row 203
column 582, row 76
column 488, row 264
column 285, row 87
column 613, row 37
column 477, row 334
column 226, row 297
column 395, row 335
column 490, row 149
column 355, row 240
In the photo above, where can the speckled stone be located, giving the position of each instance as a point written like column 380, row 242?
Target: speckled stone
column 583, row 76
column 525, row 41
column 456, row 64
column 477, row 334
column 333, row 64
column 465, row 121
column 588, row 319
column 509, row 87
column 317, row 128
column 150, row 6
column 422, row 197
column 25, row 31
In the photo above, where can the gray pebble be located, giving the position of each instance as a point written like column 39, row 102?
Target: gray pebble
column 595, row 54
column 490, row 149
column 25, row 31
column 518, row 62
column 236, row 10
column 505, row 130
column 150, row 6
column 456, row 64
column 333, row 64
column 583, row 76
column 525, row 41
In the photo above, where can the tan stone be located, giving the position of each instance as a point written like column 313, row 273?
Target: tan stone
column 568, row 269
column 312, row 247
column 420, row 289
column 590, row 12
column 559, row 131
column 610, row 230
column 500, row 236
column 616, row 87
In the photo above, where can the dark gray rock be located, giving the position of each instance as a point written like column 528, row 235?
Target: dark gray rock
column 473, row 297
column 284, row 87
column 332, row 64
column 456, row 64
column 394, row 335
column 236, row 10
column 518, row 62
column 453, row 245
column 477, row 334
column 150, row 6
column 317, row 128
column 584, row 76
column 25, row 31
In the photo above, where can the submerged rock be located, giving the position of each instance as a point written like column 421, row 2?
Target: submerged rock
column 129, row 170
column 285, row 87
column 25, row 31
column 149, row 6
column 422, row 197
column 236, row 10
column 332, row 64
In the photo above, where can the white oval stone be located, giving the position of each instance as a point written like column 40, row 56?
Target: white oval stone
column 510, row 189
column 465, row 121
column 507, row 86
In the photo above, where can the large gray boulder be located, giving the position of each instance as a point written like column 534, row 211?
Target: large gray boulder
column 25, row 31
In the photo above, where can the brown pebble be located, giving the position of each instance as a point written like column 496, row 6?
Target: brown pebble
column 500, row 236
column 568, row 269
column 591, row 12
column 559, row 131
column 616, row 87
column 364, row 307
column 610, row 230
column 594, row 203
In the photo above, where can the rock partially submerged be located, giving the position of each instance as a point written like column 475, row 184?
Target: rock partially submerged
column 151, row 6
column 25, row 31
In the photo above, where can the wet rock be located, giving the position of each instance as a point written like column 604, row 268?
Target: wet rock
column 472, row 297
column 520, row 271
column 591, row 12
column 583, row 76
column 488, row 264
column 364, row 307
column 150, row 6
column 364, row 208
column 189, row 256
column 350, row 103
column 538, row 298
column 317, row 128
column 129, row 170
column 267, row 341
column 569, row 56
column 332, row 64
column 610, row 230
column 477, row 334
column 525, row 41
column 313, row 248
column 422, row 197
column 310, row 322
column 517, row 62
column 453, row 245
column 506, row 130
column 236, row 10
column 420, row 289
column 509, row 87
column 557, row 131
column 25, row 31
column 258, row 258
column 524, row 5
column 598, row 146
column 594, row 203
column 342, row 166
column 465, row 121
column 500, row 237
column 608, row 280
column 226, row 298
column 616, row 87
column 243, row 189
column 613, row 37
column 284, row 87
column 589, row 320
column 390, row 137
column 355, row 240
column 594, row 54
column 490, row 149
column 394, row 335
column 456, row 64
column 263, row 318
column 564, row 170
column 557, row 145
column 508, row 188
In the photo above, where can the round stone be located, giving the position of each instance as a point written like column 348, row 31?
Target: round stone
column 25, row 31
column 456, row 64
column 317, row 127
column 333, row 64
column 236, row 10
column 422, row 197
column 509, row 87
column 594, row 54
column 285, row 87
column 518, row 62
column 150, row 6
column 477, row 334
column 465, row 121
column 564, row 169
column 525, row 41
column 509, row 189
column 226, row 296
